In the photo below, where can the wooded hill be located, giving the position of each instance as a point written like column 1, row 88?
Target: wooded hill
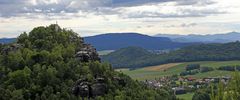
column 51, row 63
column 135, row 57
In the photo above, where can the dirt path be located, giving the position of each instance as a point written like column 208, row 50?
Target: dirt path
column 161, row 67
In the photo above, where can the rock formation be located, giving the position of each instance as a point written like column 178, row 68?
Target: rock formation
column 87, row 53
column 99, row 87
column 83, row 88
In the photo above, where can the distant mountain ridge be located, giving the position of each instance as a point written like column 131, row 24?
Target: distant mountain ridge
column 7, row 40
column 215, row 38
column 114, row 41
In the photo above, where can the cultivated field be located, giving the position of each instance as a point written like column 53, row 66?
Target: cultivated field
column 153, row 72
column 163, row 67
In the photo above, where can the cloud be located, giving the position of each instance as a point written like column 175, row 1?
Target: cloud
column 160, row 11
column 195, row 2
column 130, row 3
column 188, row 25
column 183, row 25
column 51, row 9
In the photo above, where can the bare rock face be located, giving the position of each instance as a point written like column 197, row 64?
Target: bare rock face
column 87, row 53
column 83, row 88
column 12, row 47
column 99, row 88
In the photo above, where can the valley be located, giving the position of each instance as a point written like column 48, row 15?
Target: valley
column 119, row 50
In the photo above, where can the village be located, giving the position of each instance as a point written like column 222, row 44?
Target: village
column 183, row 85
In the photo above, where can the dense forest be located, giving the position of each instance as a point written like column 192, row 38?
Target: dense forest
column 200, row 52
column 48, row 64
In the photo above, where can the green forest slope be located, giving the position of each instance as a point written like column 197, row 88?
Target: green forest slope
column 201, row 52
column 42, row 65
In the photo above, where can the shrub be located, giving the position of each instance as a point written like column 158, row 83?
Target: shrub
column 206, row 69
column 192, row 67
column 227, row 68
column 191, row 72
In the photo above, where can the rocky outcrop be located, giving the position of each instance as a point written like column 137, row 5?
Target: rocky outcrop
column 120, row 81
column 87, row 53
column 11, row 48
column 83, row 88
column 99, row 88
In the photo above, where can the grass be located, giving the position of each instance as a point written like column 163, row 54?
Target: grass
column 187, row 96
column 145, row 73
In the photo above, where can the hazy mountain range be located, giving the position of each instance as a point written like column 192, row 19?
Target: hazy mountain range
column 114, row 41
column 215, row 38
column 7, row 40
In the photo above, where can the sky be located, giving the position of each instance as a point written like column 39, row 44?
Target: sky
column 92, row 17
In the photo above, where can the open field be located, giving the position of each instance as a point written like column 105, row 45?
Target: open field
column 176, row 68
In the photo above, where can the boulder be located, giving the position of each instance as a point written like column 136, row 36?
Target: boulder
column 87, row 53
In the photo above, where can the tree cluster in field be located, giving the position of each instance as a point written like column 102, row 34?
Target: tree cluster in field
column 193, row 69
column 48, row 62
column 190, row 72
column 206, row 69
column 229, row 68
column 138, row 57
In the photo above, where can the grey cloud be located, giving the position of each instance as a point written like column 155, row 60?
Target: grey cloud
column 188, row 25
column 195, row 2
column 27, row 8
column 139, row 27
column 3, row 2
column 182, row 25
column 150, row 26
column 127, row 3
column 181, row 13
